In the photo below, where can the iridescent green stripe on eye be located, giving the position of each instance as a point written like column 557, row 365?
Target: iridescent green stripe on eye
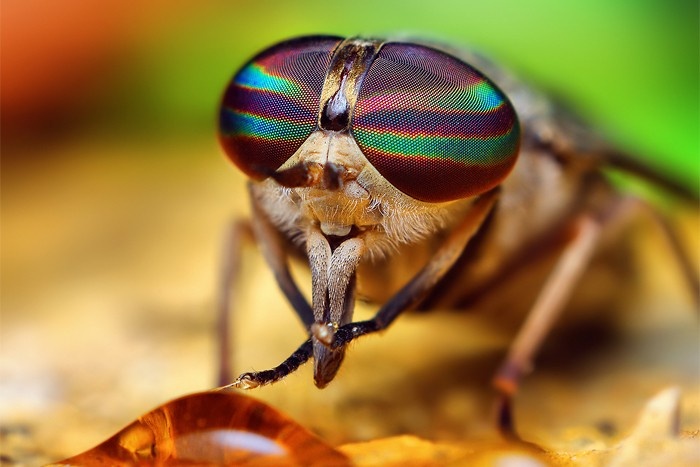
column 487, row 96
column 258, row 126
column 481, row 97
column 271, row 106
column 468, row 151
column 254, row 76
column 433, row 126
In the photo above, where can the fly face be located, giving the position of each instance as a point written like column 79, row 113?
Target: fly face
column 356, row 146
column 329, row 185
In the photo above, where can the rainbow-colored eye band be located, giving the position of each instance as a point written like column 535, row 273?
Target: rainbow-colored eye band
column 433, row 126
column 271, row 106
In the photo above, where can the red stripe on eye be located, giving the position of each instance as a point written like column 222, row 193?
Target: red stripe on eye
column 433, row 126
column 269, row 102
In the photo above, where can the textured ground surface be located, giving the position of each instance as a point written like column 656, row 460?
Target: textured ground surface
column 109, row 266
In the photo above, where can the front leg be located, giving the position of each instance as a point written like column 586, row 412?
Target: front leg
column 272, row 247
column 335, row 338
column 260, row 231
column 544, row 313
column 237, row 234
column 416, row 289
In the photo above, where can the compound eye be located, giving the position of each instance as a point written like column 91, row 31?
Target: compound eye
column 433, row 126
column 271, row 106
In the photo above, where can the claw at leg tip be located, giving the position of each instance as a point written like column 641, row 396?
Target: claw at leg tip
column 245, row 382
column 242, row 382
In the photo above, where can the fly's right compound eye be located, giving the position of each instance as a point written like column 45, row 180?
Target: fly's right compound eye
column 433, row 126
column 271, row 105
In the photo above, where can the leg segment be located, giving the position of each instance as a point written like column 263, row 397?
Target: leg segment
column 558, row 287
column 543, row 315
column 260, row 231
column 412, row 293
column 262, row 378
column 237, row 233
column 409, row 296
column 272, row 247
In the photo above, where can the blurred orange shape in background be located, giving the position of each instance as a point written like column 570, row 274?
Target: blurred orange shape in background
column 54, row 54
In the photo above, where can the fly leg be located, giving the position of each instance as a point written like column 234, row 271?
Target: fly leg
column 558, row 287
column 273, row 248
column 261, row 378
column 238, row 233
column 260, row 231
column 542, row 316
column 418, row 287
column 336, row 338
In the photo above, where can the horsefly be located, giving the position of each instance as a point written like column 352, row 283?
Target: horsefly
column 363, row 151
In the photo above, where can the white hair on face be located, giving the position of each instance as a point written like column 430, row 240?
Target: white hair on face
column 402, row 220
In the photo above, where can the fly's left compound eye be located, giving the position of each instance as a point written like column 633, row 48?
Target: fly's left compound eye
column 433, row 126
column 271, row 106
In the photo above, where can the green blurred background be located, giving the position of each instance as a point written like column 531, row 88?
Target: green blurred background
column 154, row 71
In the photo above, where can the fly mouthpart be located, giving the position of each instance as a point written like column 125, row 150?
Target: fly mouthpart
column 335, row 230
column 326, row 363
column 337, row 234
column 333, row 270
